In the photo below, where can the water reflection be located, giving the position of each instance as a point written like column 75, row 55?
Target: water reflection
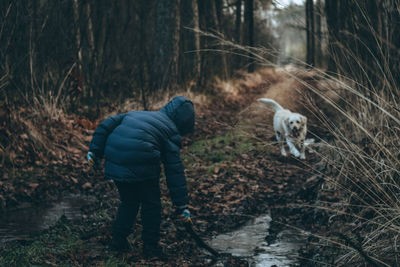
column 249, row 242
column 27, row 220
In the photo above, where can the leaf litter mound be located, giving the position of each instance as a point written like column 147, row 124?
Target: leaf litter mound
column 41, row 156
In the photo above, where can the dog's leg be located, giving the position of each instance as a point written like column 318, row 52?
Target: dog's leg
column 292, row 148
column 281, row 143
column 302, row 139
column 302, row 150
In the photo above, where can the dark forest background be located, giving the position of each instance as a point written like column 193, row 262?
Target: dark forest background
column 97, row 49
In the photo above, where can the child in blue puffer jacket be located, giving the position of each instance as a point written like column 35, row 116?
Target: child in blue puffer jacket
column 134, row 144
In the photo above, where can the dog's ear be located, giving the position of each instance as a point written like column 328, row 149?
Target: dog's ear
column 286, row 120
column 304, row 120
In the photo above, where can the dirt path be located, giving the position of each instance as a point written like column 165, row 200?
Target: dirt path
column 249, row 177
column 234, row 172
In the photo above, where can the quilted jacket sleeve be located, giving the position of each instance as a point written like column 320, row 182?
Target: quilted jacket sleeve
column 174, row 172
column 102, row 131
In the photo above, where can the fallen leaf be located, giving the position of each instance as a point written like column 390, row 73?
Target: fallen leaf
column 86, row 185
column 33, row 185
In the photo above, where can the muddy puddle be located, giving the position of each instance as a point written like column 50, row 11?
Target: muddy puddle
column 20, row 223
column 250, row 243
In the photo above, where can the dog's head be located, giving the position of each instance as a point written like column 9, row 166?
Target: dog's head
column 296, row 123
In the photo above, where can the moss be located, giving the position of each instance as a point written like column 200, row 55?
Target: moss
column 115, row 262
column 60, row 241
column 219, row 149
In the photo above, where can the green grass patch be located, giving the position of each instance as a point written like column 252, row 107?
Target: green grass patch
column 115, row 262
column 59, row 242
column 219, row 149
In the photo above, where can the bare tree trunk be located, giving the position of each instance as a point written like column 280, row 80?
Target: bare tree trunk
column 190, row 41
column 318, row 42
column 249, row 22
column 310, row 32
column 165, row 64
column 216, row 22
column 238, row 30
column 218, row 8
column 238, row 22
column 175, row 45
column 205, row 58
column 393, row 35
column 196, row 25
column 78, row 34
column 101, row 33
column 35, row 29
column 90, row 30
column 331, row 11
column 143, row 54
column 90, row 58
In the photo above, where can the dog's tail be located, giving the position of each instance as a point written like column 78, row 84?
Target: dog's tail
column 271, row 103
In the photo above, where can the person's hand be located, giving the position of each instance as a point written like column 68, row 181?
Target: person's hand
column 92, row 160
column 184, row 214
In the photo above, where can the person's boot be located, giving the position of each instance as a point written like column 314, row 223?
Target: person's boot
column 119, row 244
column 154, row 252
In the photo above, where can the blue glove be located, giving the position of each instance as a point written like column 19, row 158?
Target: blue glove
column 184, row 214
column 92, row 160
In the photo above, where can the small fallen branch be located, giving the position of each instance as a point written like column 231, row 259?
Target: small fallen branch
column 199, row 241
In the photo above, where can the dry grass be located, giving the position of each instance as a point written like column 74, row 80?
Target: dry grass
column 364, row 164
column 229, row 89
column 40, row 132
column 362, row 161
column 363, row 168
column 37, row 128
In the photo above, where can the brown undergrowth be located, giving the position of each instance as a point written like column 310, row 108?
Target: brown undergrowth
column 41, row 155
column 43, row 150
column 359, row 169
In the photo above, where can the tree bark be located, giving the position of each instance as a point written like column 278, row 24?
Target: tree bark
column 196, row 26
column 79, row 53
column 331, row 11
column 165, row 64
column 238, row 22
column 310, row 33
column 143, row 56
column 77, row 33
column 217, row 27
column 249, row 22
column 238, row 30
column 318, row 41
column 393, row 34
column 190, row 54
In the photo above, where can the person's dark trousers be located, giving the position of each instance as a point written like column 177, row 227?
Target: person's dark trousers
column 132, row 195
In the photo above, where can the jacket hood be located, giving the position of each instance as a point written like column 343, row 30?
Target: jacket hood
column 180, row 110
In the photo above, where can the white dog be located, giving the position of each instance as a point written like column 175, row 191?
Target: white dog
column 290, row 126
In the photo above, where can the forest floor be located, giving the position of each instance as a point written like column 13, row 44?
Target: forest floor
column 234, row 172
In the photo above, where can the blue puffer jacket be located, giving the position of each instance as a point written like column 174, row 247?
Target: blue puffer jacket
column 135, row 143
